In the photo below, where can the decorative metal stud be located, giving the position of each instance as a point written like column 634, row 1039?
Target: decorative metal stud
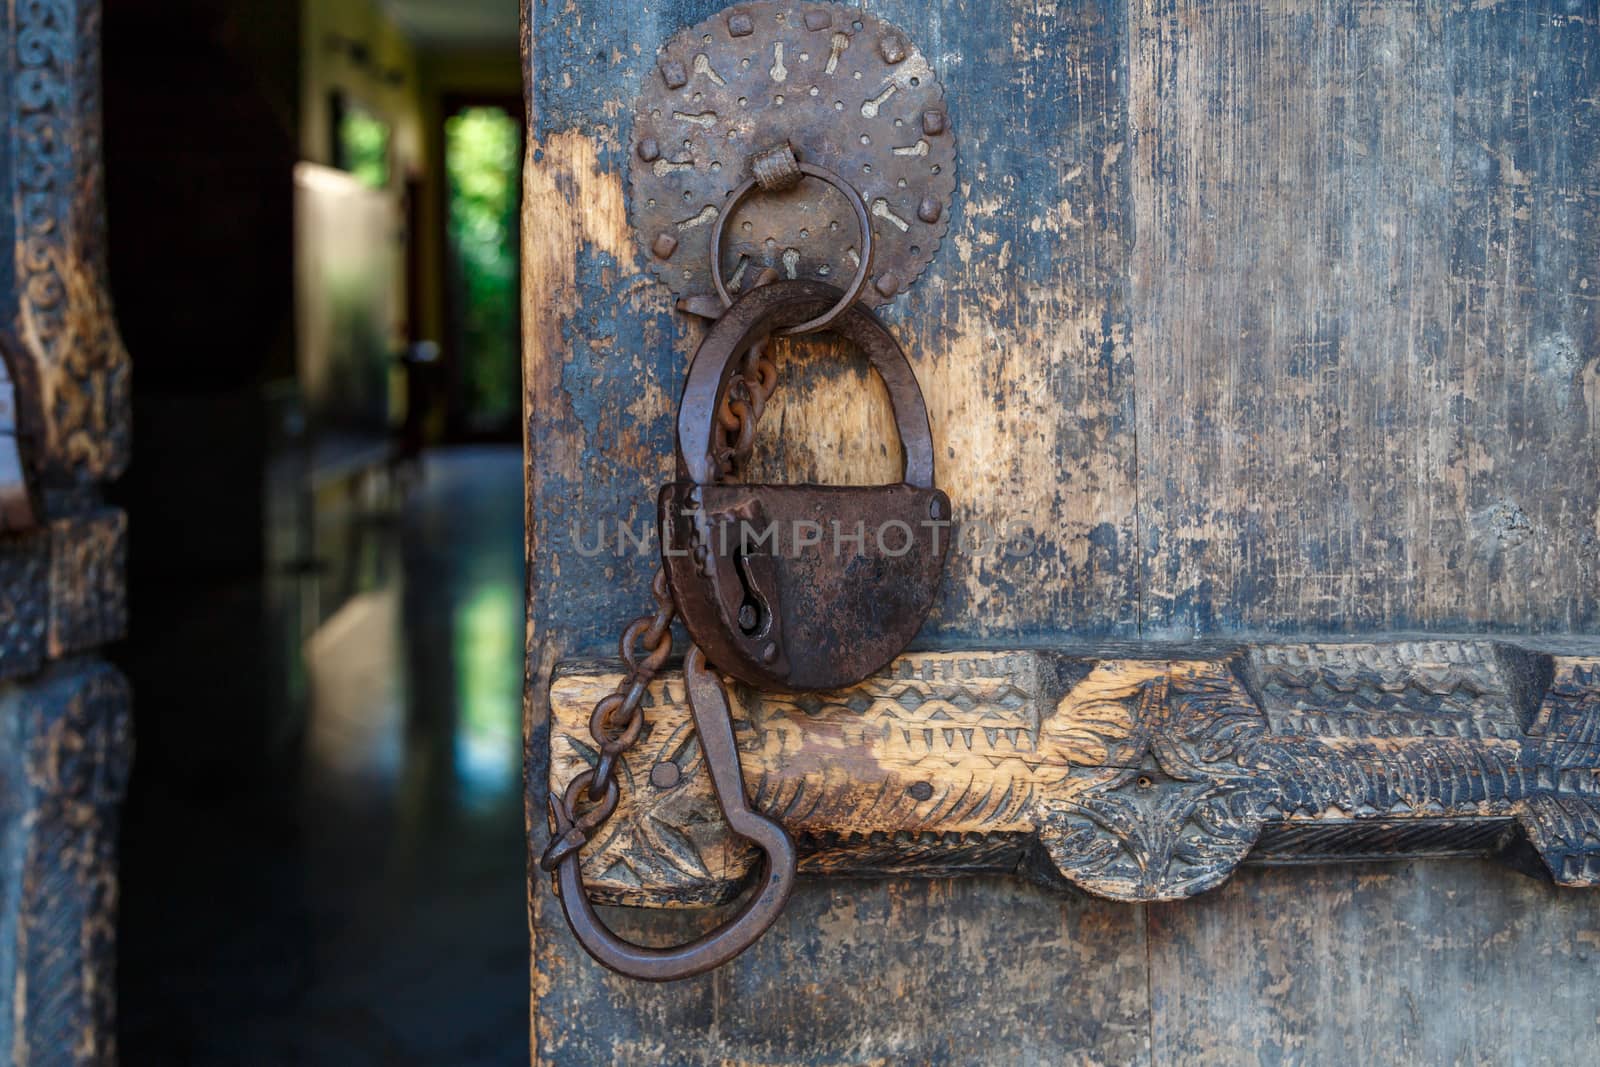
column 888, row 284
column 933, row 123
column 728, row 119
column 930, row 210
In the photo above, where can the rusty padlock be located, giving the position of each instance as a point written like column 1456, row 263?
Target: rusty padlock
column 761, row 602
column 800, row 587
column 788, row 587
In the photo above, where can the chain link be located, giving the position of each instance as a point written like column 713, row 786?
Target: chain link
column 746, row 401
column 615, row 725
column 617, row 721
column 742, row 407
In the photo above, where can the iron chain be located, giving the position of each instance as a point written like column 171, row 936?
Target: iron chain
column 617, row 721
column 742, row 408
column 746, row 400
column 615, row 725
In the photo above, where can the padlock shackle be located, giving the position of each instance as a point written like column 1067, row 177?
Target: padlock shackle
column 713, row 722
column 757, row 315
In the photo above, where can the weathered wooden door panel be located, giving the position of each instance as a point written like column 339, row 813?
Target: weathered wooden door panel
column 1364, row 321
column 869, row 972
column 1422, row 962
column 1261, row 318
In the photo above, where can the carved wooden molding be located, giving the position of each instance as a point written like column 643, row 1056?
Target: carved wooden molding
column 62, row 590
column 1138, row 774
column 68, row 364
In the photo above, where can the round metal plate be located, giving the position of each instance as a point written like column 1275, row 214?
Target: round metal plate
column 848, row 91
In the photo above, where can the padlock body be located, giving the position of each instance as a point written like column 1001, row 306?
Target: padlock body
column 803, row 587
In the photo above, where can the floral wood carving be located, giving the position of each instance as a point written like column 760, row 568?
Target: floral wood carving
column 1133, row 778
column 68, row 363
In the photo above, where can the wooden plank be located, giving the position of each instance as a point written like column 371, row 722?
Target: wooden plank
column 65, row 425
column 1409, row 963
column 1041, row 320
column 1364, row 315
column 1136, row 779
column 945, row 972
column 65, row 748
column 1366, row 348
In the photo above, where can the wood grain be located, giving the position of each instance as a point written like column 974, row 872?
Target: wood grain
column 1364, row 329
column 1412, row 963
column 63, row 589
column 1271, row 318
column 873, row 973
column 604, row 352
column 1135, row 779
column 65, row 748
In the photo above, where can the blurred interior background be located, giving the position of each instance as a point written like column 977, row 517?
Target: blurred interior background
column 313, row 215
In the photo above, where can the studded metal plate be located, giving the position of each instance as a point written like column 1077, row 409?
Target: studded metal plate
column 848, row 91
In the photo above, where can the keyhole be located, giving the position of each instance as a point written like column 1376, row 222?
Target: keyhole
column 752, row 613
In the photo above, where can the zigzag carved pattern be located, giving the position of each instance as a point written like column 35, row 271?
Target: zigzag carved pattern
column 1412, row 689
column 1570, row 710
column 1139, row 779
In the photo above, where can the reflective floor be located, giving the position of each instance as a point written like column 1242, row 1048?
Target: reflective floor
column 323, row 849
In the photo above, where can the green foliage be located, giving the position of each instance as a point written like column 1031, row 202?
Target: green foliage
column 483, row 148
column 364, row 146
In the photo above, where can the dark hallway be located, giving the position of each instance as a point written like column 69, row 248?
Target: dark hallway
column 359, row 899
column 322, row 849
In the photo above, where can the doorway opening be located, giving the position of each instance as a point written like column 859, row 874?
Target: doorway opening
column 483, row 187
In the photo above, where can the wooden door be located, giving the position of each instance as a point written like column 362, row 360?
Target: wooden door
column 65, row 737
column 1275, row 324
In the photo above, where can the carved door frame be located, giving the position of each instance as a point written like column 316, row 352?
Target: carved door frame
column 65, row 734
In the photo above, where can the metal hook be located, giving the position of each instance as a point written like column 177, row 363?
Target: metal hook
column 713, row 721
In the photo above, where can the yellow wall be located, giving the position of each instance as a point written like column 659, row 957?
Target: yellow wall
column 327, row 28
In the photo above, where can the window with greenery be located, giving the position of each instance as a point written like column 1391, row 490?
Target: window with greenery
column 483, row 148
column 363, row 144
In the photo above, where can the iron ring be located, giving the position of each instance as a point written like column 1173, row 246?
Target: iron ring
column 863, row 220
column 590, row 820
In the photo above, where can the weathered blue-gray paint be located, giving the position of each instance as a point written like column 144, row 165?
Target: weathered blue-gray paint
column 1323, row 278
